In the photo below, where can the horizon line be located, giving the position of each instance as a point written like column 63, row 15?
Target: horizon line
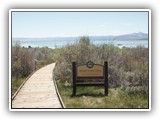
column 83, row 35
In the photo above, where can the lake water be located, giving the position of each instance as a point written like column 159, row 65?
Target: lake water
column 39, row 42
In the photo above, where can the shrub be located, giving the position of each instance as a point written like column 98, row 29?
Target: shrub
column 22, row 61
column 134, row 90
column 63, row 72
column 127, row 66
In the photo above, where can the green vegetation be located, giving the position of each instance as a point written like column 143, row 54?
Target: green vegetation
column 93, row 97
column 16, row 83
column 128, row 75
column 23, row 62
column 127, row 66
column 128, row 72
column 23, row 59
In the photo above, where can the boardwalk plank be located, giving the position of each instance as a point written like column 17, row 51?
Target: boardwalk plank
column 39, row 91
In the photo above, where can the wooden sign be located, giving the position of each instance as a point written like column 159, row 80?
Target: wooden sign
column 90, row 74
column 90, row 70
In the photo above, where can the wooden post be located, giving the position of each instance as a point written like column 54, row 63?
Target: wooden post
column 74, row 77
column 106, row 77
column 35, row 61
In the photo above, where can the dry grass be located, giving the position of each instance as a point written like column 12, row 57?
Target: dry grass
column 93, row 97
column 16, row 83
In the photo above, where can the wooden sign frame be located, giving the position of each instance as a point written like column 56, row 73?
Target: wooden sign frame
column 103, row 76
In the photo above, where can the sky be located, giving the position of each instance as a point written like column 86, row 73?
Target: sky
column 74, row 24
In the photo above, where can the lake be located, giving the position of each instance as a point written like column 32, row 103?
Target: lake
column 53, row 43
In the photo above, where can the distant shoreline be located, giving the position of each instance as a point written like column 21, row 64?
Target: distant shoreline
column 132, row 36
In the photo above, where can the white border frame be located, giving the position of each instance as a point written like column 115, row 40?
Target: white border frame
column 54, row 10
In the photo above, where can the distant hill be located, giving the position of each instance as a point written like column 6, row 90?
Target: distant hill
column 132, row 36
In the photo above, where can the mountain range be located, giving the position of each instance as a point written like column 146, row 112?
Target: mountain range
column 132, row 36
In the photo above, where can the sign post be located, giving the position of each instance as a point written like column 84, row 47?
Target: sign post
column 90, row 74
column 74, row 77
column 106, row 77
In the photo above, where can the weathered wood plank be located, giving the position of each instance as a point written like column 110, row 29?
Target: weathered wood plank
column 39, row 91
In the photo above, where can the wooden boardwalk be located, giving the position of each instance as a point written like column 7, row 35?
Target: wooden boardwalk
column 38, row 91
